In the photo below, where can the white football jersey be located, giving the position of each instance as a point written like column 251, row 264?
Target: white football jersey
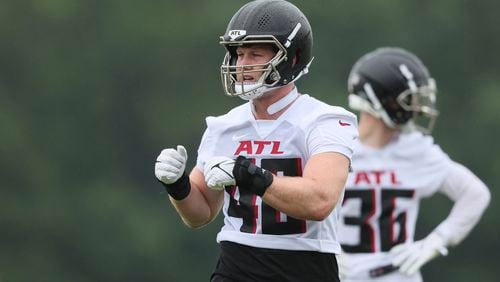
column 381, row 202
column 282, row 146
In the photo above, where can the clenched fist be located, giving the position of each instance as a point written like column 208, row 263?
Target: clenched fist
column 170, row 164
column 219, row 173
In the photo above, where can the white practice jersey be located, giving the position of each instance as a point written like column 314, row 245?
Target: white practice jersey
column 381, row 201
column 282, row 146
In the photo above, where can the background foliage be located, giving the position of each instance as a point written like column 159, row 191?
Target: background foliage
column 91, row 91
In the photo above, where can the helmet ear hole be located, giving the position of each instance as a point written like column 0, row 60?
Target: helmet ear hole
column 297, row 57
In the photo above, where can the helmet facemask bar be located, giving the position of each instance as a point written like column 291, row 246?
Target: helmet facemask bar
column 421, row 102
column 270, row 75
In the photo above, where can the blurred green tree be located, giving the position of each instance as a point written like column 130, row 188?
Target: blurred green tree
column 91, row 91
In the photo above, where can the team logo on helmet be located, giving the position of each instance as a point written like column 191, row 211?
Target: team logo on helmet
column 235, row 34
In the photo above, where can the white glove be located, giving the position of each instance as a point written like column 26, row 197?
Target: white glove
column 344, row 264
column 170, row 164
column 409, row 257
column 219, row 173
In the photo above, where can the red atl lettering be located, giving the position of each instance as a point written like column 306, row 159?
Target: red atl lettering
column 394, row 179
column 361, row 176
column 260, row 146
column 276, row 148
column 245, row 146
column 376, row 177
column 249, row 147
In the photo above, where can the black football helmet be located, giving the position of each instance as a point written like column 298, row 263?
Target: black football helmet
column 275, row 22
column 394, row 85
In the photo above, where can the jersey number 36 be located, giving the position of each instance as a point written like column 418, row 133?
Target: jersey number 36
column 386, row 221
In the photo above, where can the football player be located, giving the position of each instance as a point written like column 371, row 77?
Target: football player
column 276, row 165
column 396, row 164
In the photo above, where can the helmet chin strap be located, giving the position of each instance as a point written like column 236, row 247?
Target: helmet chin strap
column 281, row 103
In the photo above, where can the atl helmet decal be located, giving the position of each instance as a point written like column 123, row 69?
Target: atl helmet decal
column 235, row 34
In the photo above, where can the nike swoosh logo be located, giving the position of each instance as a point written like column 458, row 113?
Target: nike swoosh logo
column 218, row 166
column 344, row 123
